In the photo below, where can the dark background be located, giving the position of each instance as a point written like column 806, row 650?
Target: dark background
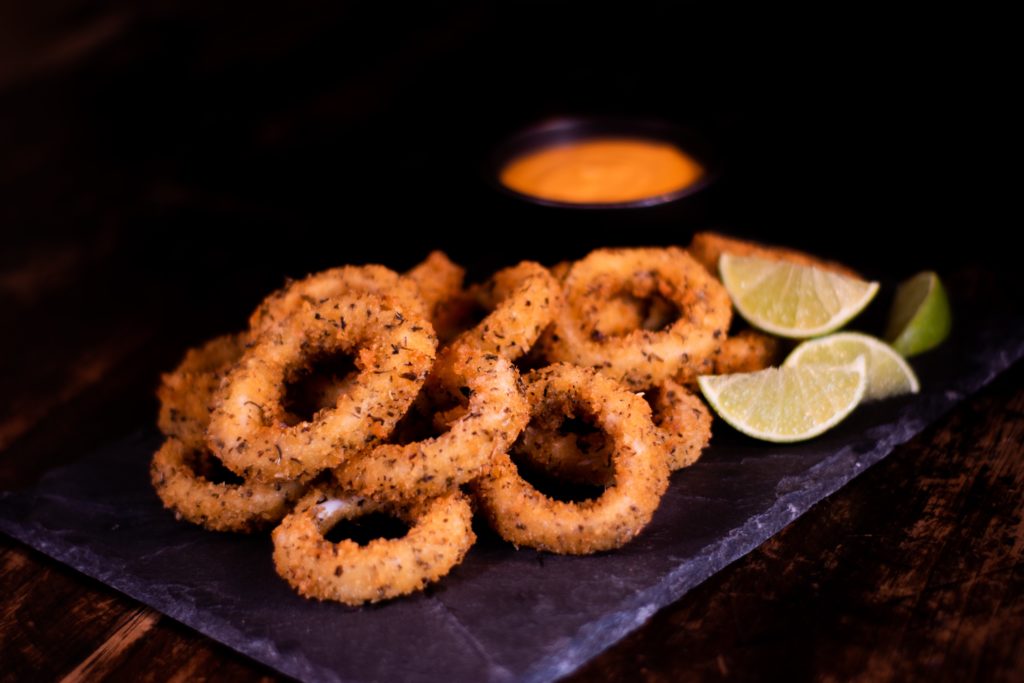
column 196, row 153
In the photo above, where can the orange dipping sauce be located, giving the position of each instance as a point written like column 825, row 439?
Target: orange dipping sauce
column 602, row 171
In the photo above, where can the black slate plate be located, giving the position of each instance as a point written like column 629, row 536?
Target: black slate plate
column 504, row 614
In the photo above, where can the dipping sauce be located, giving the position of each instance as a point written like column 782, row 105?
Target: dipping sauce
column 602, row 171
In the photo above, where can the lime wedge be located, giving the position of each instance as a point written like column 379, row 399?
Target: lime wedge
column 920, row 318
column 790, row 300
column 787, row 404
column 888, row 374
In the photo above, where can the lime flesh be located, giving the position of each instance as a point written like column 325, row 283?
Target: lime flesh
column 790, row 300
column 888, row 374
column 787, row 404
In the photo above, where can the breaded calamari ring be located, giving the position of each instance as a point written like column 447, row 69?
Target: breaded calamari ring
column 526, row 517
column 641, row 358
column 177, row 473
column 496, row 412
column 439, row 536
column 454, row 316
column 521, row 301
column 368, row 279
column 624, row 312
column 439, row 281
column 393, row 352
column 685, row 420
column 186, row 393
column 707, row 247
column 682, row 417
column 747, row 351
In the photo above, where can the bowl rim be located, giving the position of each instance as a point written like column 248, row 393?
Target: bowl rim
column 567, row 128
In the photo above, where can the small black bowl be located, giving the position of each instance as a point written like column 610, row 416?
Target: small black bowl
column 560, row 131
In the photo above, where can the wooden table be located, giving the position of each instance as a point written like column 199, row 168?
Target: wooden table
column 913, row 571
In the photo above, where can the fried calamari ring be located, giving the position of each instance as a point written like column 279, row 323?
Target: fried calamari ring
column 526, row 517
column 707, row 247
column 683, row 418
column 496, row 412
column 439, row 536
column 454, row 316
column 186, row 393
column 393, row 350
column 521, row 301
column 439, row 281
column 624, row 312
column 641, row 358
column 368, row 279
column 747, row 351
column 178, row 473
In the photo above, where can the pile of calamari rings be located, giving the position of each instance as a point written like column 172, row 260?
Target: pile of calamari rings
column 359, row 391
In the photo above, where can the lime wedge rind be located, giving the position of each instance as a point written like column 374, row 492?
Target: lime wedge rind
column 808, row 287
column 920, row 318
column 888, row 372
column 851, row 378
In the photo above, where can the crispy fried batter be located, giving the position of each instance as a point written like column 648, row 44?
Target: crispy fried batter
column 495, row 414
column 394, row 350
column 640, row 358
column 684, row 420
column 439, row 281
column 186, row 393
column 439, row 536
column 707, row 247
column 526, row 517
column 177, row 473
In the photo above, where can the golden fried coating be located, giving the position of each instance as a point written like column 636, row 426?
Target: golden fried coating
column 439, row 281
column 393, row 350
column 707, row 247
column 640, row 358
column 526, row 517
column 440, row 534
column 177, row 475
column 186, row 393
column 276, row 309
column 682, row 417
column 495, row 414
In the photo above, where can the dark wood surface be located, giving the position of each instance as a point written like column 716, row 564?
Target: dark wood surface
column 145, row 151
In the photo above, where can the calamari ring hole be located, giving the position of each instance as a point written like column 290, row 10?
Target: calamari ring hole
column 654, row 313
column 590, row 439
column 475, row 313
column 529, row 362
column 366, row 528
column 464, row 314
column 422, row 421
column 651, row 397
column 211, row 469
column 317, row 385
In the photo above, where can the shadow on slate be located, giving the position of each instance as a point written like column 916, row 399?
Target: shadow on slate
column 503, row 615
